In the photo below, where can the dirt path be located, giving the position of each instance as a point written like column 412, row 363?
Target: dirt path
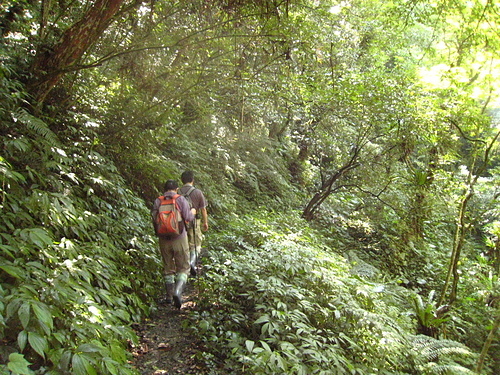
column 167, row 346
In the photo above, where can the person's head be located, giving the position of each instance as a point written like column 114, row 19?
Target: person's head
column 187, row 177
column 171, row 185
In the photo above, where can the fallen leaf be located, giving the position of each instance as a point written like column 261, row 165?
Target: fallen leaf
column 164, row 346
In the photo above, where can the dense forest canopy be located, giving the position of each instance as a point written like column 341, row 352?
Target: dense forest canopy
column 349, row 151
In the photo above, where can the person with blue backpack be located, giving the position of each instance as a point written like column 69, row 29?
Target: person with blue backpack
column 197, row 200
column 171, row 214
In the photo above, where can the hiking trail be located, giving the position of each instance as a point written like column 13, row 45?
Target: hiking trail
column 166, row 344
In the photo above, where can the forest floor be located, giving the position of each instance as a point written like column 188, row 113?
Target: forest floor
column 167, row 346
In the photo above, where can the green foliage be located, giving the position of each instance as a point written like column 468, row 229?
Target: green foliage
column 76, row 263
column 284, row 303
column 429, row 316
column 18, row 364
column 266, row 102
column 437, row 356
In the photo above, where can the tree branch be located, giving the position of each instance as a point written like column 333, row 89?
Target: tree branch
column 454, row 123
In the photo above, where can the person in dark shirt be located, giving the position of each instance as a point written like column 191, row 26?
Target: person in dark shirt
column 198, row 202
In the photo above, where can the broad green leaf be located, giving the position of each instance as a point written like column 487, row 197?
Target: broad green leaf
column 24, row 314
column 22, row 339
column 65, row 360
column 265, row 346
column 89, row 348
column 13, row 307
column 59, row 336
column 81, row 365
column 262, row 319
column 249, row 344
column 122, row 314
column 38, row 343
column 17, row 272
column 8, row 250
column 44, row 316
column 40, row 237
column 111, row 367
column 19, row 365
column 117, row 352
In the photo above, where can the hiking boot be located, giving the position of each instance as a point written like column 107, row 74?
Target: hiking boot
column 170, row 292
column 179, row 288
column 192, row 263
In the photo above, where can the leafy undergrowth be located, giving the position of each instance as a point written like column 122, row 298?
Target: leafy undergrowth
column 275, row 300
column 76, row 267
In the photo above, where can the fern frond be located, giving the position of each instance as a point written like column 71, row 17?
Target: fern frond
column 37, row 125
column 7, row 172
column 384, row 325
column 433, row 348
column 437, row 356
column 21, row 144
column 438, row 369
column 362, row 268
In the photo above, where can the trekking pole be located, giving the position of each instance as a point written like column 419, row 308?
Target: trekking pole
column 196, row 256
column 194, row 240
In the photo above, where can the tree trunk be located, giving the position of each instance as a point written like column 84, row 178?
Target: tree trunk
column 461, row 228
column 487, row 344
column 327, row 186
column 49, row 67
column 458, row 243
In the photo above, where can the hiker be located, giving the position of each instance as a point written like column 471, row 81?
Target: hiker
column 174, row 247
column 197, row 200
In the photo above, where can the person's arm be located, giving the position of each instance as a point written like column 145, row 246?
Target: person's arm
column 154, row 212
column 202, row 207
column 204, row 216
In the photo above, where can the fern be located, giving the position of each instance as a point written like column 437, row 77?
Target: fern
column 429, row 316
column 38, row 126
column 433, row 368
column 435, row 356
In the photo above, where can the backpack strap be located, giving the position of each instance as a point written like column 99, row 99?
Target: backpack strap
column 164, row 197
column 188, row 198
column 188, row 193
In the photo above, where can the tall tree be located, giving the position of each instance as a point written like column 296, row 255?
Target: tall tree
column 52, row 62
column 462, row 226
